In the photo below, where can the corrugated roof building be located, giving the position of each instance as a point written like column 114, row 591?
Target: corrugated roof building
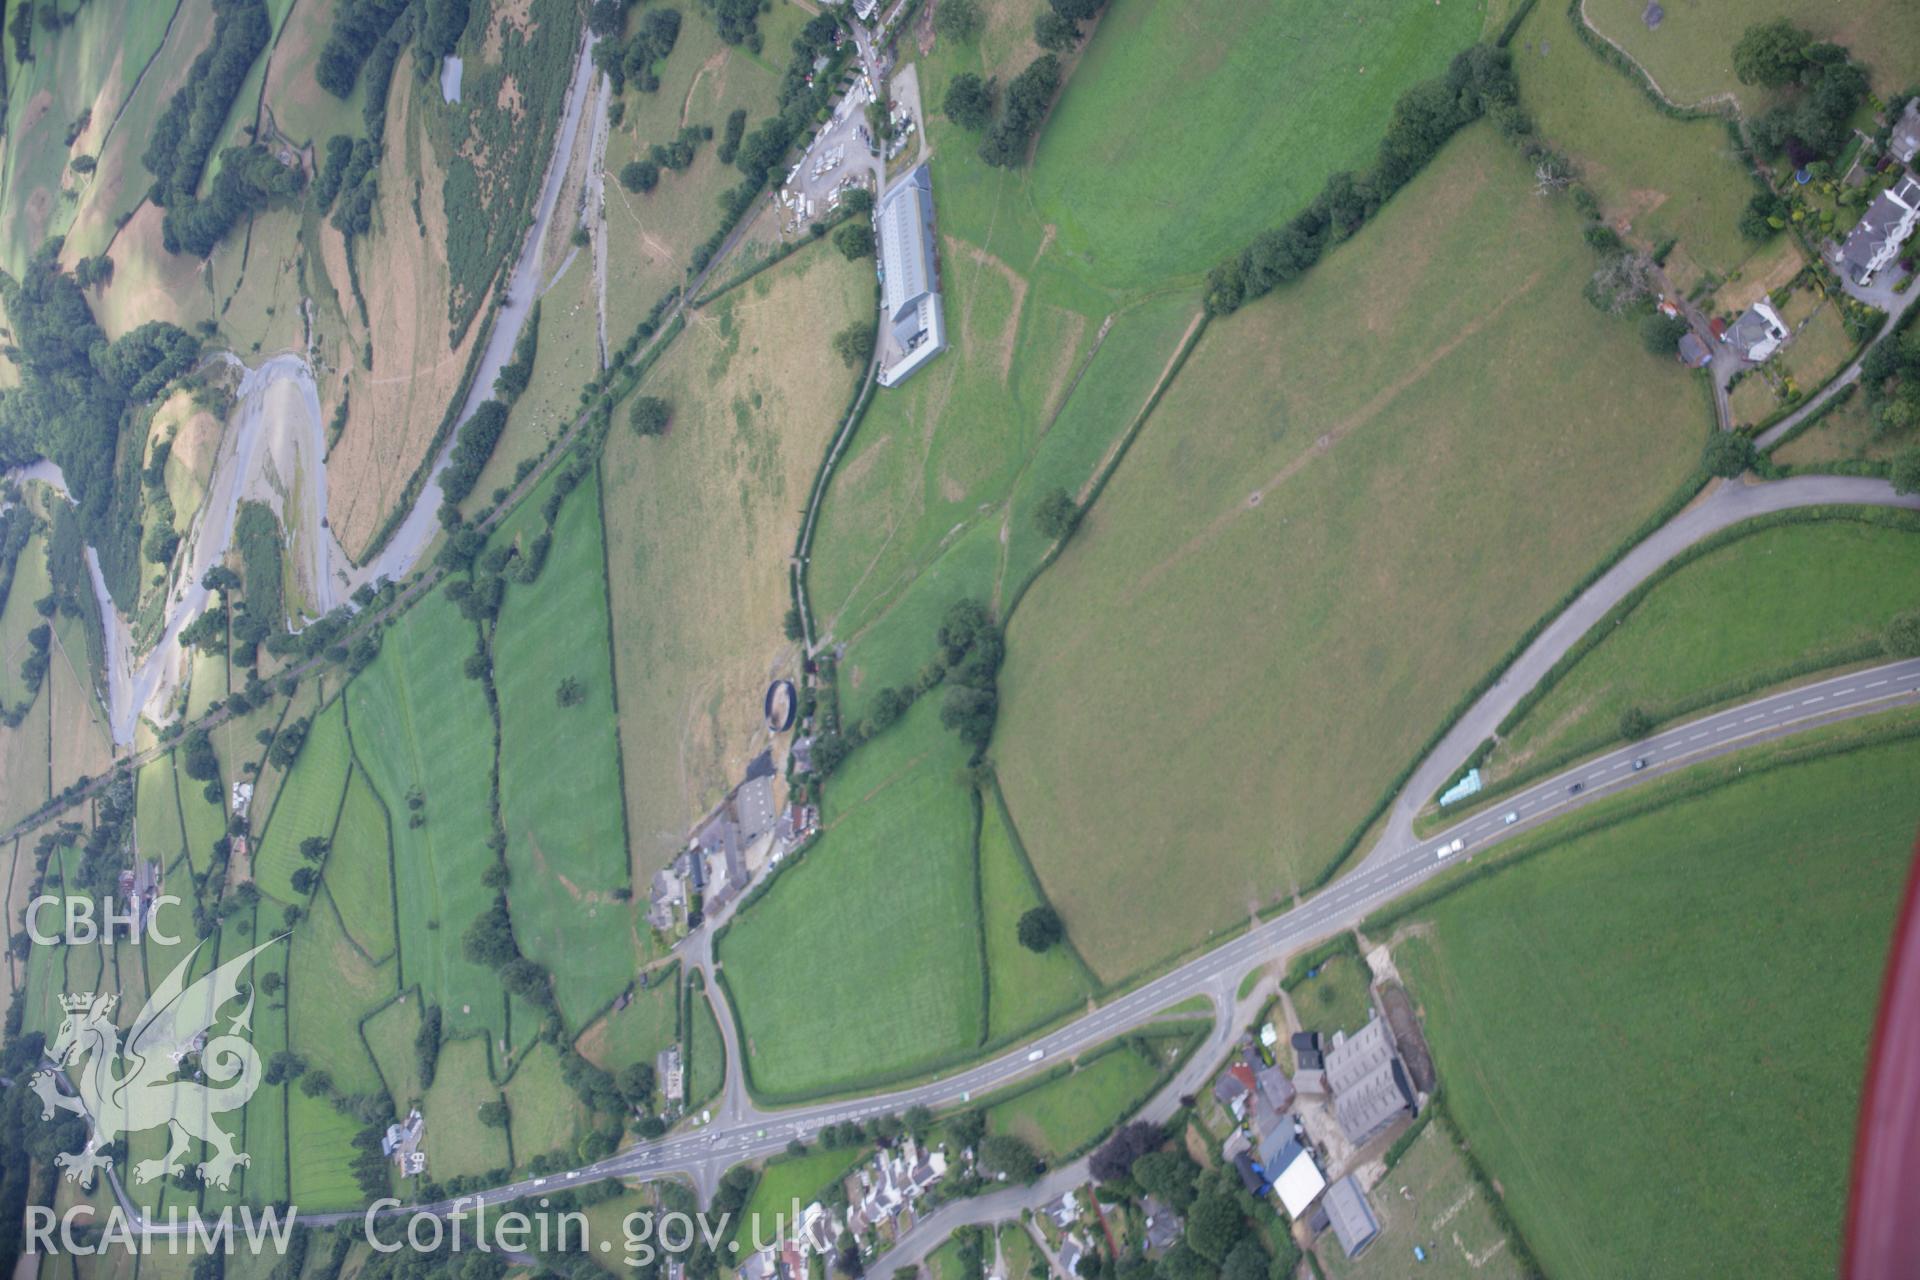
column 912, row 296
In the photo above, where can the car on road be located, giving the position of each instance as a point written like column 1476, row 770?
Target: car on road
column 1639, row 764
column 1576, row 788
column 1451, row 848
column 1036, row 1055
column 1512, row 817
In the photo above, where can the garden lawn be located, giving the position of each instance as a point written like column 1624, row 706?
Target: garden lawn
column 886, row 895
column 332, row 989
column 307, row 805
column 1690, row 54
column 1737, row 619
column 1723, row 954
column 1142, row 197
column 1068, row 1113
column 560, row 768
column 419, row 725
column 1663, row 176
column 359, row 870
column 1025, row 988
column 1310, row 555
column 649, row 1023
column 1337, row 999
column 457, row 1143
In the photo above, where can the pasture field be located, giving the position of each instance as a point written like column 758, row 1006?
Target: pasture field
column 892, row 875
column 322, row 1173
column 704, row 1053
column 1690, row 54
column 422, row 731
column 390, row 1034
column 331, row 988
column 1846, row 433
column 457, row 1143
column 1335, row 1000
column 1725, row 951
column 302, row 110
column 699, row 524
column 156, row 807
column 81, row 741
column 266, row 1179
column 19, row 616
column 90, row 66
column 1024, row 988
column 560, row 768
column 545, row 1113
column 1120, row 183
column 1065, row 1114
column 649, row 1023
column 1665, row 177
column 1444, row 1211
column 1811, row 595
column 24, row 757
column 359, row 869
column 1261, row 726
column 307, row 804
column 786, row 1179
column 204, row 820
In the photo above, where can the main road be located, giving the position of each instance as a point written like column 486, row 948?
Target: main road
column 1393, row 868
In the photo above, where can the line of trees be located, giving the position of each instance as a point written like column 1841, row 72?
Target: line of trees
column 1479, row 82
column 358, row 26
column 631, row 61
column 1028, row 96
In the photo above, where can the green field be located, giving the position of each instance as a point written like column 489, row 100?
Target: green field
column 1024, row 988
column 1724, row 953
column 1121, row 183
column 1064, row 1115
column 1663, row 176
column 887, row 889
column 156, row 805
column 1335, row 1000
column 359, row 870
column 1443, row 1211
column 545, row 1113
column 390, row 1037
column 785, row 1180
column 331, row 989
column 649, row 1023
column 457, row 1143
column 705, row 1053
column 1806, row 595
column 1177, row 749
column 322, row 1171
column 307, row 804
column 421, row 728
column 30, row 583
column 1690, row 54
column 560, row 768
column 205, row 820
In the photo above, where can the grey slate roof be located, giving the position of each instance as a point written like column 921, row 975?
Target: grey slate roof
column 1351, row 1215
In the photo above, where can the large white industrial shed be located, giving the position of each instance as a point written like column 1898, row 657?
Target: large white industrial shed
column 913, row 311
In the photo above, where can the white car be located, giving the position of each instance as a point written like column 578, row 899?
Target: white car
column 1036, row 1055
column 1511, row 818
column 1447, row 850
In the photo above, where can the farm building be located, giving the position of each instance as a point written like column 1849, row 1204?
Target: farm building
column 1694, row 353
column 1876, row 241
column 916, row 327
column 1350, row 1215
column 1369, row 1084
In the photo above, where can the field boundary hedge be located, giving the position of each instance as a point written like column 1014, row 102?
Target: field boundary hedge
column 1033, row 879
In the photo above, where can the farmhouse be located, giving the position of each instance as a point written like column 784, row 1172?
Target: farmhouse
column 1758, row 333
column 1351, row 1216
column 915, row 325
column 1369, row 1084
column 401, row 1144
column 1876, row 241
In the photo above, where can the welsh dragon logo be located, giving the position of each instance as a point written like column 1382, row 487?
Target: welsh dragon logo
column 149, row 1082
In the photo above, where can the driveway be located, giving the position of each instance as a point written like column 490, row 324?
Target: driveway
column 1880, row 295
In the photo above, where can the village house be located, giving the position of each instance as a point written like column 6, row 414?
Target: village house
column 1875, row 241
column 1758, row 333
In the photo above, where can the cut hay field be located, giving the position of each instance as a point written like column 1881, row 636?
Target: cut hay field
column 1178, row 751
column 889, row 883
column 1663, row 176
column 1690, row 54
column 307, row 804
column 1725, row 954
column 1120, row 183
column 560, row 768
column 1797, row 596
column 699, row 525
column 421, row 729
column 82, row 744
column 322, row 1166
